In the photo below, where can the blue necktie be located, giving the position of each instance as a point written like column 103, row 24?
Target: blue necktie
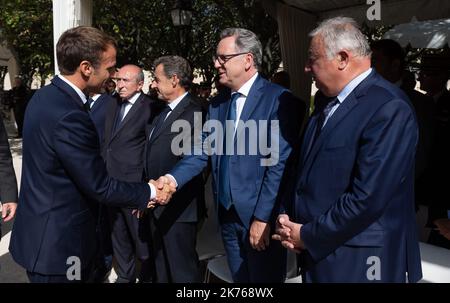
column 224, row 175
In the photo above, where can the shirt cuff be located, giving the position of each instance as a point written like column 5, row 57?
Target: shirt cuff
column 172, row 179
column 152, row 191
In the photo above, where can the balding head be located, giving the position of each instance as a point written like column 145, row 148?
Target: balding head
column 130, row 79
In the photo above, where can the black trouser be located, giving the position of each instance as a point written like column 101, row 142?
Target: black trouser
column 85, row 276
column 130, row 240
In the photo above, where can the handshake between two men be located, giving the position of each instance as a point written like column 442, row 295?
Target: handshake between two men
column 165, row 187
column 286, row 231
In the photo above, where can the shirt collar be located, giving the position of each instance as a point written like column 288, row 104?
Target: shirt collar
column 133, row 99
column 95, row 97
column 77, row 90
column 245, row 89
column 175, row 102
column 352, row 85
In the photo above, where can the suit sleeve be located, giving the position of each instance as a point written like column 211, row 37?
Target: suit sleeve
column 385, row 160
column 192, row 164
column 77, row 147
column 288, row 119
column 8, row 183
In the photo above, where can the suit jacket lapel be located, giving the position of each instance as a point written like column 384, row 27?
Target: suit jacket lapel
column 223, row 110
column 252, row 100
column 179, row 109
column 111, row 118
column 134, row 108
column 343, row 109
column 97, row 103
column 307, row 139
column 346, row 106
column 68, row 90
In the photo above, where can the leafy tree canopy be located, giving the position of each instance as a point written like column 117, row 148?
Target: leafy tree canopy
column 144, row 31
column 27, row 27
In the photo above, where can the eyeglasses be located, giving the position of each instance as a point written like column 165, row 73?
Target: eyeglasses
column 224, row 58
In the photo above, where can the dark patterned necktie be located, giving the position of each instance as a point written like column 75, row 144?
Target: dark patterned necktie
column 323, row 115
column 161, row 118
column 87, row 104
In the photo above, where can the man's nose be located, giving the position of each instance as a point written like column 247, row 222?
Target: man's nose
column 217, row 65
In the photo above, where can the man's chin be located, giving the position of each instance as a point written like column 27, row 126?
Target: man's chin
column 223, row 80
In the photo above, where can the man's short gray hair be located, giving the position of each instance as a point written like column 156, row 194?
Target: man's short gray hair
column 140, row 76
column 342, row 33
column 176, row 65
column 246, row 41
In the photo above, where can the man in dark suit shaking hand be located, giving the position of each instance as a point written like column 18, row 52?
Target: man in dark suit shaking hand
column 63, row 174
column 174, row 226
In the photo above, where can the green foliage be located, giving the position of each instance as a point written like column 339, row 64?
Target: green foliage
column 143, row 29
column 375, row 33
column 27, row 28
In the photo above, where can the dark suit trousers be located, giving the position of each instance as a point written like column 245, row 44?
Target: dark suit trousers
column 38, row 278
column 86, row 276
column 176, row 258
column 130, row 241
column 247, row 264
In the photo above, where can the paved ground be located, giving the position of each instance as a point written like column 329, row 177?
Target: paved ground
column 9, row 270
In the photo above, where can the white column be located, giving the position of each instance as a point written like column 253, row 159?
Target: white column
column 68, row 14
column 293, row 28
column 7, row 58
column 13, row 69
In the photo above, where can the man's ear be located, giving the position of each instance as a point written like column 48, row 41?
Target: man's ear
column 175, row 81
column 343, row 59
column 249, row 61
column 140, row 84
column 86, row 68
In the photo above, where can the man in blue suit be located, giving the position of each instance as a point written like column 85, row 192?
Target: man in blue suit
column 246, row 184
column 353, row 198
column 63, row 174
